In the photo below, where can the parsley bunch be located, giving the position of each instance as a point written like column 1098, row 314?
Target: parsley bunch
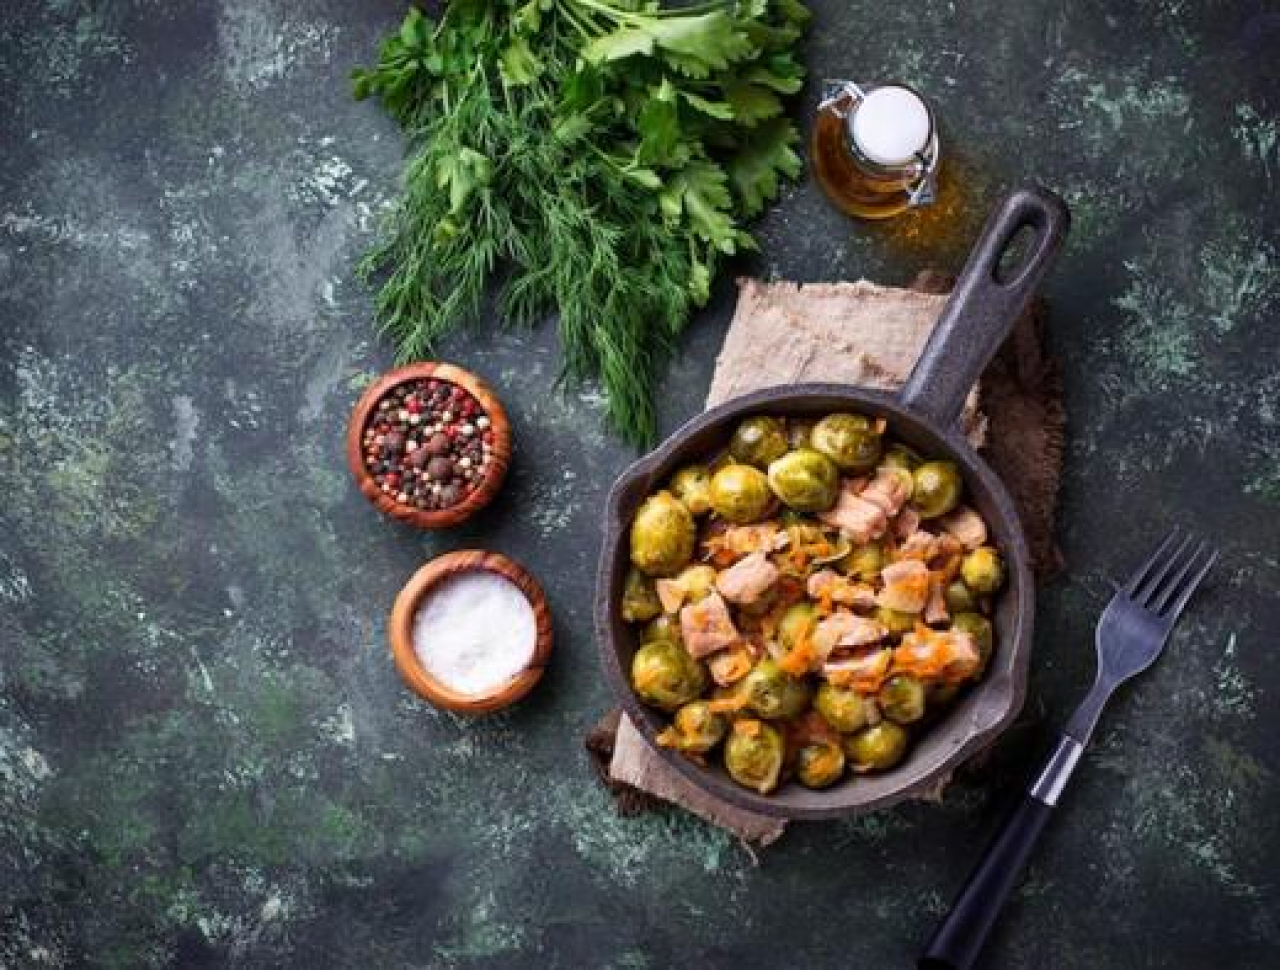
column 596, row 158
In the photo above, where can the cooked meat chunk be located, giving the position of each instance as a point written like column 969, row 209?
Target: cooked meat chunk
column 888, row 491
column 906, row 586
column 748, row 579
column 966, row 525
column 949, row 655
column 935, row 608
column 829, row 584
column 863, row 670
column 845, row 629
column 861, row 520
column 707, row 627
column 907, row 522
column 920, row 545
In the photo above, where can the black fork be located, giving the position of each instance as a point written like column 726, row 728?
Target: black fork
column 1132, row 633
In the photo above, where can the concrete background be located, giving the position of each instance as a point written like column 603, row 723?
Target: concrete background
column 206, row 757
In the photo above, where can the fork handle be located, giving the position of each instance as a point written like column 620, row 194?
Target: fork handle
column 958, row 940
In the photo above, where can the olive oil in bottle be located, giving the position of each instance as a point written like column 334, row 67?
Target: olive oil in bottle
column 875, row 149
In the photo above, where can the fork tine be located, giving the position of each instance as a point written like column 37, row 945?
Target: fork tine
column 1146, row 594
column 1174, row 586
column 1139, row 577
column 1175, row 610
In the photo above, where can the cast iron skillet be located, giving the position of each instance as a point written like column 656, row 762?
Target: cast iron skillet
column 986, row 301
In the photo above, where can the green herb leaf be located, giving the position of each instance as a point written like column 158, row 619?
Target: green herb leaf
column 752, row 103
column 700, row 193
column 779, row 72
column 413, row 31
column 570, row 128
column 659, row 126
column 644, row 176
column 716, row 109
column 621, row 43
column 713, row 38
column 519, row 66
column 362, row 85
column 756, row 169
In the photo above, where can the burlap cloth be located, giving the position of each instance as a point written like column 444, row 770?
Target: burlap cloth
column 860, row 333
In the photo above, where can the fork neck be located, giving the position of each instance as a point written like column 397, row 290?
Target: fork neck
column 1062, row 762
column 1085, row 718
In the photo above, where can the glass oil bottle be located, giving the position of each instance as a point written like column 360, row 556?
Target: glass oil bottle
column 875, row 149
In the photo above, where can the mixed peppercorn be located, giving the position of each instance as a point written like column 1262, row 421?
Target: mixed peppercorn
column 428, row 444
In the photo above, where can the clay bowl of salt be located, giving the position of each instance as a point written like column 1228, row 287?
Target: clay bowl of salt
column 471, row 632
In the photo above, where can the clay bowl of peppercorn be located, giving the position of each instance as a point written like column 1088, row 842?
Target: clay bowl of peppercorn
column 429, row 444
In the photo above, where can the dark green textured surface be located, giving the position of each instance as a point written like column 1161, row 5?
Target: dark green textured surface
column 205, row 754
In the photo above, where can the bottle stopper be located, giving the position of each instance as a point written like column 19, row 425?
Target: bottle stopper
column 891, row 127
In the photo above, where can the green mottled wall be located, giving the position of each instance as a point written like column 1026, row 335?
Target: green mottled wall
column 206, row 757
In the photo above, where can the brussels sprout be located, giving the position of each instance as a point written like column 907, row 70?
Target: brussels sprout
column 662, row 627
column 740, row 494
column 773, row 693
column 796, row 623
column 819, row 764
column 639, row 598
column 959, row 598
column 805, row 480
column 662, row 536
column 753, row 755
column 901, row 699
column 758, row 441
column 849, row 440
column 696, row 728
column 665, row 676
column 937, row 488
column 697, row 581
column 844, row 709
column 898, row 455
column 978, row 627
column 692, row 486
column 982, row 570
column 895, row 621
column 876, row 748
column 864, row 562
column 799, row 431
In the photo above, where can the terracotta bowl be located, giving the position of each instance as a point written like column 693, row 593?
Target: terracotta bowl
column 400, row 631
column 499, row 461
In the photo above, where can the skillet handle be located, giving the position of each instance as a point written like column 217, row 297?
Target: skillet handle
column 985, row 304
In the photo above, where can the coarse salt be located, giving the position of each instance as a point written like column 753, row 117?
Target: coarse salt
column 474, row 632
